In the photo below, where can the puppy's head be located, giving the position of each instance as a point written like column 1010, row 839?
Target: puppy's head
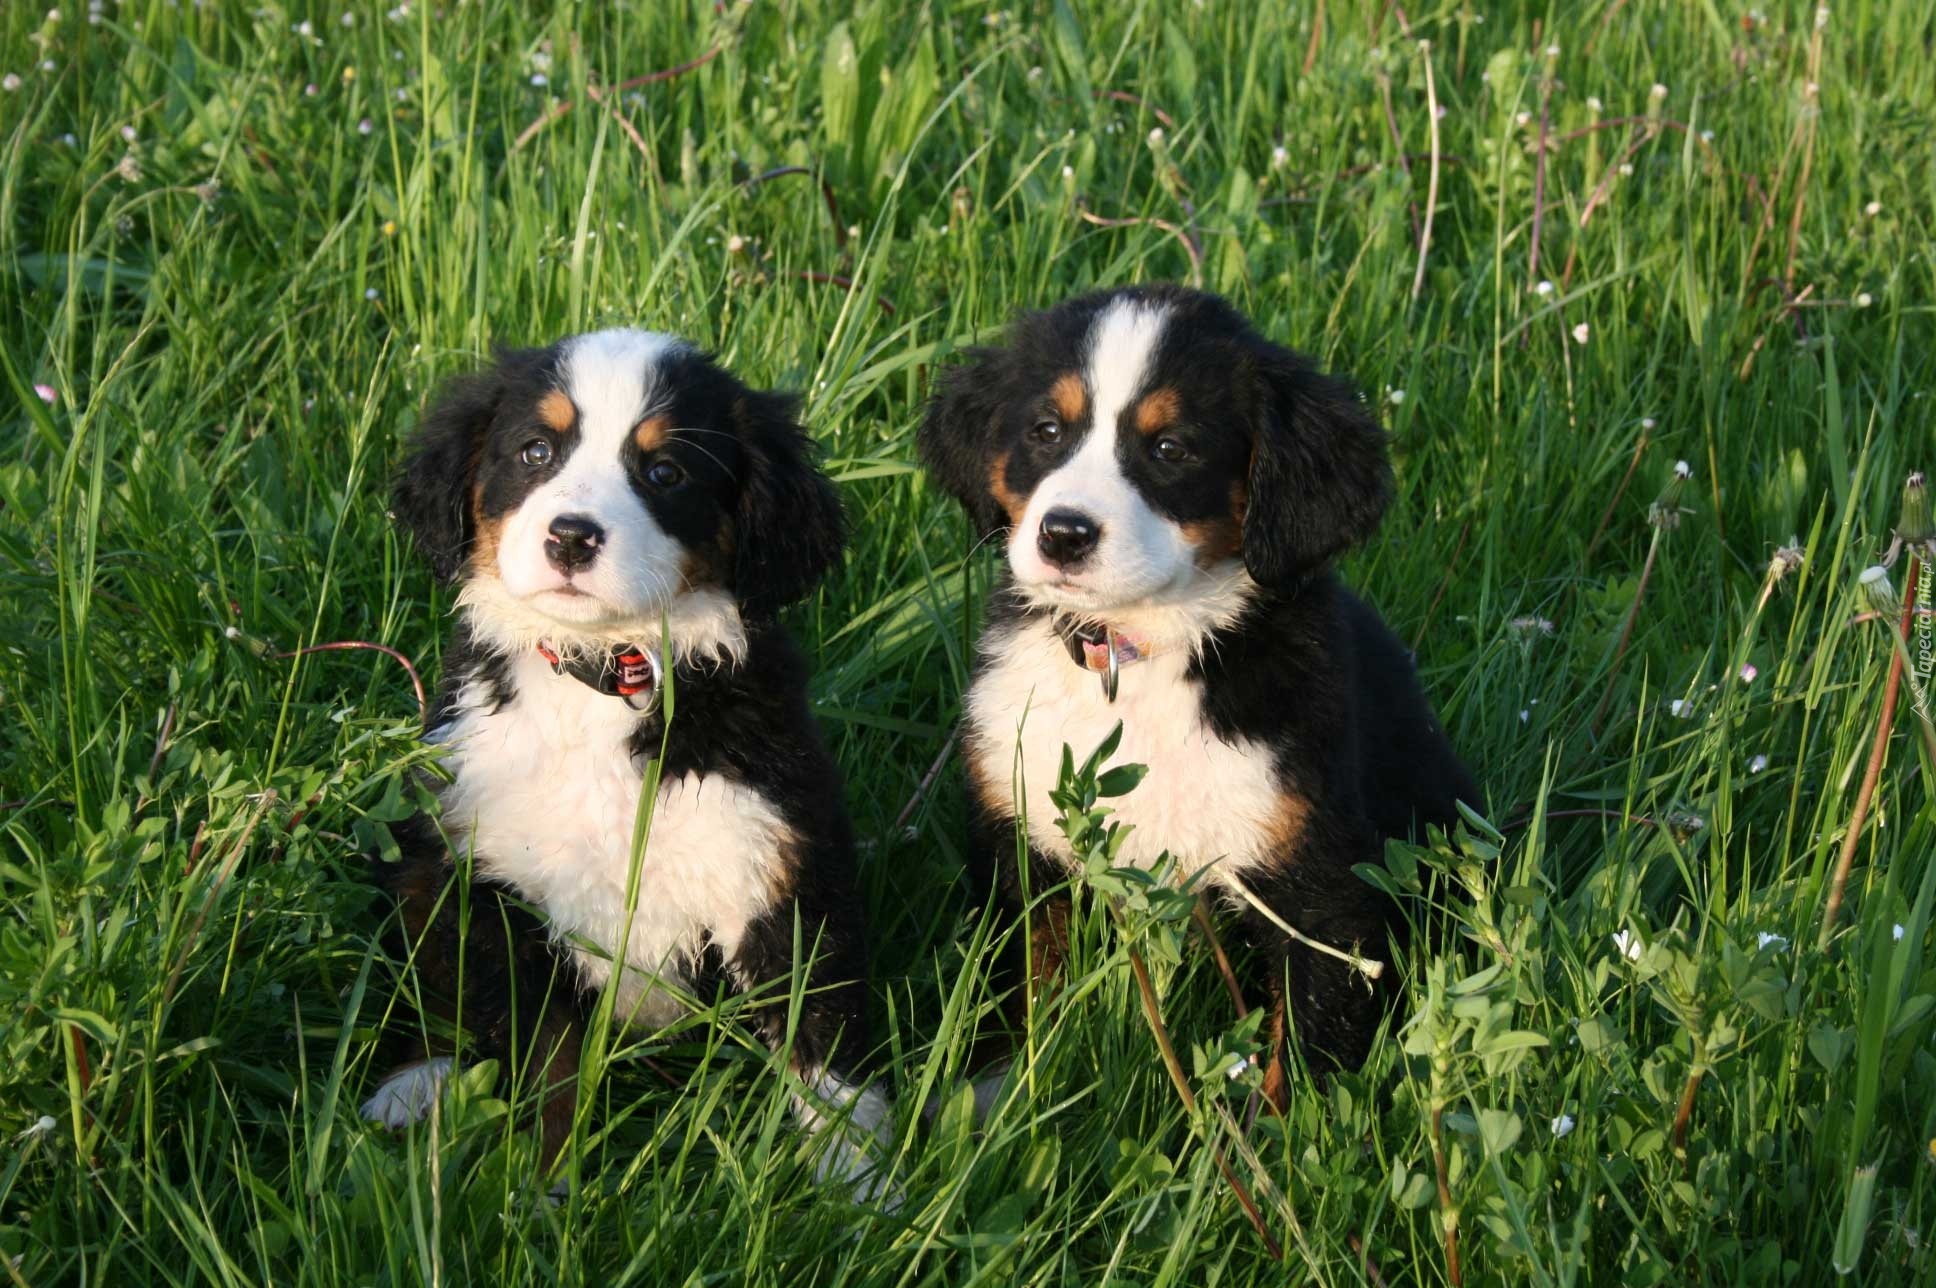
column 1138, row 444
column 584, row 491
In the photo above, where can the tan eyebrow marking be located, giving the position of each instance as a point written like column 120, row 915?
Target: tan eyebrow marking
column 652, row 432
column 1071, row 400
column 1159, row 409
column 555, row 409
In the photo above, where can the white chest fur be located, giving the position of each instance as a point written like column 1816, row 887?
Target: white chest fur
column 545, row 793
column 1205, row 800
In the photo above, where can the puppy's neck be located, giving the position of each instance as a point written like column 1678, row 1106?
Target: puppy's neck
column 702, row 625
column 1180, row 619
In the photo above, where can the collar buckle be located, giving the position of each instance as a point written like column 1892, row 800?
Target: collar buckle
column 625, row 672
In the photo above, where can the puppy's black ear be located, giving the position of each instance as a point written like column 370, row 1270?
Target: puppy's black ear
column 788, row 529
column 1319, row 476
column 431, row 494
column 958, row 433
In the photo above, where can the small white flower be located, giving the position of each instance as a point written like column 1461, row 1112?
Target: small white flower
column 372, row 295
column 309, row 90
column 348, row 19
column 1811, row 89
column 1237, row 1067
column 1629, row 945
column 365, row 125
column 1035, row 73
column 1873, row 209
column 1895, row 932
column 540, row 79
column 1530, row 626
column 1580, row 333
column 1648, row 422
column 403, row 95
column 735, row 244
column 46, row 394
column 1626, row 169
column 1524, row 119
column 42, row 1125
column 1280, row 157
column 128, row 168
column 128, row 134
column 1395, row 396
column 1658, row 92
column 1593, row 105
column 1524, row 715
column 53, row 15
column 1442, row 112
column 1544, row 289
column 1707, row 136
column 1681, row 708
column 305, row 29
column 1757, row 764
column 1562, row 1126
column 1768, row 939
column 1821, row 17
column 1069, row 173
column 1552, row 51
column 1748, row 672
column 70, row 140
column 1863, row 300
column 1682, row 470
column 47, row 64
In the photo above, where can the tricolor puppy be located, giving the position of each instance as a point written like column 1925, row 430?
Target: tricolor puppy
column 1171, row 490
column 603, row 503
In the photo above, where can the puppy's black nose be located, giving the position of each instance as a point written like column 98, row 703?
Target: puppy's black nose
column 1067, row 537
column 573, row 542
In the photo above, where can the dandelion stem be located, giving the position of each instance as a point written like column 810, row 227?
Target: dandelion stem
column 1432, row 182
column 1878, row 752
column 1147, row 992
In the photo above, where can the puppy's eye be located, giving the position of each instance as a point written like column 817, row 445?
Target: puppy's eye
column 1170, row 450
column 536, row 453
column 1045, row 431
column 665, row 474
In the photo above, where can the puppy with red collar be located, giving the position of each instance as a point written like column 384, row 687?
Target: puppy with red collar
column 609, row 506
column 1172, row 489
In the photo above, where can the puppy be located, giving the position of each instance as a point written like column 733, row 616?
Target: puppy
column 1171, row 490
column 602, row 504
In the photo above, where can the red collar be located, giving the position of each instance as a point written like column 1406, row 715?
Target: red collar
column 626, row 672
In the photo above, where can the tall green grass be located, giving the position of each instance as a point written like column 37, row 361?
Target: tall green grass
column 238, row 290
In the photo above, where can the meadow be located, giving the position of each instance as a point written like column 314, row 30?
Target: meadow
column 1643, row 291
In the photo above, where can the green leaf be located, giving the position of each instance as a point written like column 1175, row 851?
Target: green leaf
column 1121, row 780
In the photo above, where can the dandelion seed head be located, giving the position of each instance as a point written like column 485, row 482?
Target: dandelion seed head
column 1863, row 300
column 1682, row 470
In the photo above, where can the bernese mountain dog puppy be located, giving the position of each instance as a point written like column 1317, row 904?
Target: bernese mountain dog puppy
column 1171, row 489
column 610, row 506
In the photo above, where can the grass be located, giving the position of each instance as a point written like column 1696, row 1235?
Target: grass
column 238, row 290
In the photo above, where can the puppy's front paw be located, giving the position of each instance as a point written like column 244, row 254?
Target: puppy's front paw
column 988, row 1090
column 407, row 1095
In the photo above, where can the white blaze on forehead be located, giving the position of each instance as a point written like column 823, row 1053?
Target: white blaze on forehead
column 613, row 378
column 1122, row 342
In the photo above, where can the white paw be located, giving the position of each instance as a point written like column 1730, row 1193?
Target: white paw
column 988, row 1090
column 407, row 1095
column 856, row 1120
